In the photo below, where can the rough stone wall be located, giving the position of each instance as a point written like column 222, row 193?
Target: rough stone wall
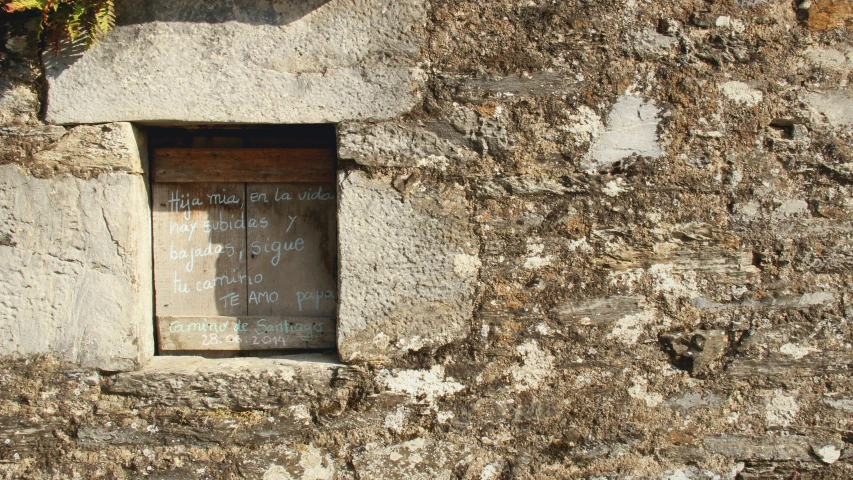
column 74, row 226
column 659, row 195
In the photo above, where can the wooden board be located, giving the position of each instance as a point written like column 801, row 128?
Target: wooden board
column 245, row 332
column 296, row 165
column 199, row 248
column 292, row 252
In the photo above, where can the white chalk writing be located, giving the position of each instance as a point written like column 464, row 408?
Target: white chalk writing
column 183, row 228
column 315, row 295
column 223, row 199
column 262, row 297
column 318, row 194
column 183, row 203
column 285, row 196
column 277, row 248
column 193, row 253
column 260, row 331
column 230, row 300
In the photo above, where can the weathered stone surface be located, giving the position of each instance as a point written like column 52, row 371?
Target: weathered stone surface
column 245, row 383
column 771, row 447
column 409, row 267
column 826, row 14
column 76, row 268
column 778, row 367
column 94, row 148
column 837, row 57
column 600, row 311
column 741, row 93
column 695, row 400
column 421, row 459
column 526, row 185
column 844, row 404
column 631, row 130
column 724, row 264
column 398, row 145
column 479, row 87
column 290, row 461
column 834, row 107
column 18, row 143
column 695, row 351
column 648, row 42
column 690, row 473
column 419, row 385
column 801, row 301
column 557, row 316
column 84, row 151
column 340, row 60
column 18, row 103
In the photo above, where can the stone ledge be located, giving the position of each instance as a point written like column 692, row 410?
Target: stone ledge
column 236, row 383
column 177, row 365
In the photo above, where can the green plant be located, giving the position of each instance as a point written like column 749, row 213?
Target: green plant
column 69, row 21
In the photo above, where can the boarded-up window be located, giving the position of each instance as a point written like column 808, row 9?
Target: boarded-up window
column 245, row 248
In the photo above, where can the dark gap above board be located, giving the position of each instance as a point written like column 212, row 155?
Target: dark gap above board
column 244, row 136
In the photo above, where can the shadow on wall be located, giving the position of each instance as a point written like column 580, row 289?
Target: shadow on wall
column 200, row 251
column 256, row 12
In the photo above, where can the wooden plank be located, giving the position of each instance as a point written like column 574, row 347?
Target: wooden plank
column 296, row 165
column 292, row 254
column 245, row 332
column 199, row 248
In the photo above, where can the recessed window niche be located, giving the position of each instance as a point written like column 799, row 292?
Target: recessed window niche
column 244, row 226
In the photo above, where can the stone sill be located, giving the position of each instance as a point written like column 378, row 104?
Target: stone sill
column 236, row 383
column 193, row 364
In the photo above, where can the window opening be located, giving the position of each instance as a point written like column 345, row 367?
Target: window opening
column 245, row 239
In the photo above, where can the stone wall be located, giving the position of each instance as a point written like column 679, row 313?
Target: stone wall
column 74, row 226
column 586, row 240
column 311, row 61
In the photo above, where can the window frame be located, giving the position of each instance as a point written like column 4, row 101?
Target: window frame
column 183, row 144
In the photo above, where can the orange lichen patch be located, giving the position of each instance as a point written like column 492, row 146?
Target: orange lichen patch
column 576, row 225
column 487, row 109
column 826, row 14
column 512, row 304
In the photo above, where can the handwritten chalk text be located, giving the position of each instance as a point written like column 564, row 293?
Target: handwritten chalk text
column 316, row 296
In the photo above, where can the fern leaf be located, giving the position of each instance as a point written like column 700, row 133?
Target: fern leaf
column 69, row 20
column 76, row 21
column 105, row 18
column 20, row 5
